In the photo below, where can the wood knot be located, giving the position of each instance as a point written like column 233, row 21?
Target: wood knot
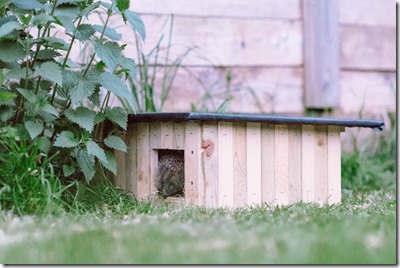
column 208, row 146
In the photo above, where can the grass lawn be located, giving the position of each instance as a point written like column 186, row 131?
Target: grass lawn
column 362, row 230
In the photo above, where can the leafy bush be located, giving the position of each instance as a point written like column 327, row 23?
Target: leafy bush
column 28, row 184
column 54, row 102
column 373, row 169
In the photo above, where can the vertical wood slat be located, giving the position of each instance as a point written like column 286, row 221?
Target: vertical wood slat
column 179, row 136
column 167, row 135
column 321, row 53
column 225, row 164
column 321, row 164
column 239, row 164
column 281, row 165
column 268, row 163
column 210, row 163
column 253, row 163
column 131, row 158
column 295, row 193
column 308, row 163
column 143, row 161
column 155, row 143
column 194, row 184
column 334, row 164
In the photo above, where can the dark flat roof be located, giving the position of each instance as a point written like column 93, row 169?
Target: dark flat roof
column 258, row 118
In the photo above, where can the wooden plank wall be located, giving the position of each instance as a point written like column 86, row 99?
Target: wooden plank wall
column 238, row 164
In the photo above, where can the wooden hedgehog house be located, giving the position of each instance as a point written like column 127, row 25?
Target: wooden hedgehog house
column 235, row 160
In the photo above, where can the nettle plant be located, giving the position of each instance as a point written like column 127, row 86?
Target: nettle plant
column 48, row 99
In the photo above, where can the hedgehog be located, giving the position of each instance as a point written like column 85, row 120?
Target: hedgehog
column 170, row 180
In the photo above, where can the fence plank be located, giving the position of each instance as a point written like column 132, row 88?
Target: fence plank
column 131, row 158
column 167, row 135
column 179, row 136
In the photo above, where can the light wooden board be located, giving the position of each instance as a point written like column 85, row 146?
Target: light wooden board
column 210, row 162
column 321, row 54
column 254, row 163
column 308, row 162
column 167, row 135
column 239, row 164
column 371, row 93
column 368, row 48
column 131, row 159
column 143, row 160
column 155, row 144
column 321, row 164
column 295, row 193
column 194, row 184
column 334, row 165
column 282, row 9
column 179, row 136
column 225, row 164
column 281, row 165
column 217, row 40
column 268, row 163
column 380, row 13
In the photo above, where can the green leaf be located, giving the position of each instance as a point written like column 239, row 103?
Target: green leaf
column 109, row 32
column 129, row 65
column 115, row 85
column 94, row 149
column 9, row 27
column 6, row 113
column 6, row 96
column 28, row 95
column 88, row 10
column 83, row 32
column 42, row 19
column 123, row 5
column 84, row 87
column 111, row 164
column 18, row 73
column 44, row 144
column 34, row 128
column 50, row 109
column 47, row 54
column 86, row 163
column 8, row 18
column 136, row 23
column 54, row 42
column 109, row 52
column 50, row 71
column 68, row 170
column 67, row 22
column 81, row 116
column 66, row 139
column 117, row 115
column 115, row 142
column 11, row 51
column 100, row 117
column 27, row 4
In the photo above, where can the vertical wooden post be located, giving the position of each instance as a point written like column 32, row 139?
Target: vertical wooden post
column 321, row 53
column 131, row 166
column 294, row 163
column 155, row 143
column 321, row 164
column 308, row 163
column 143, row 161
column 334, row 164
